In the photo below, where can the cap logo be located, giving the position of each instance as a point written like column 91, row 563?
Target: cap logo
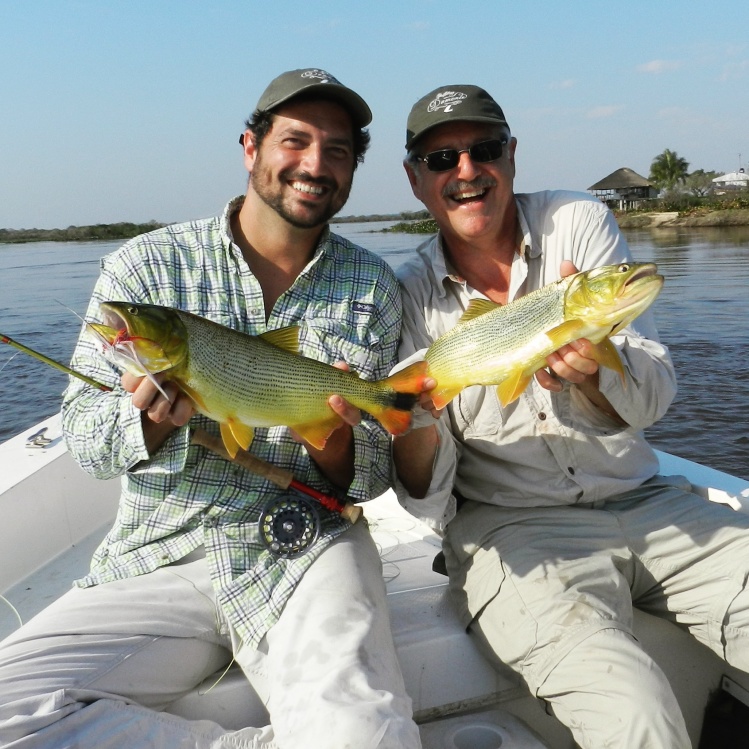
column 320, row 75
column 446, row 100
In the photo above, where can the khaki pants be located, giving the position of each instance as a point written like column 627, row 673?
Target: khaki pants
column 549, row 591
column 96, row 667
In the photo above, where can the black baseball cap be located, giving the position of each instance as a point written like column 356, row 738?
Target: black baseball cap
column 314, row 81
column 451, row 104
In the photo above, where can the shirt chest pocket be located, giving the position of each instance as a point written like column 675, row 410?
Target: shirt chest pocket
column 477, row 412
column 341, row 339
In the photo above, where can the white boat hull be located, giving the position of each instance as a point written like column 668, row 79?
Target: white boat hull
column 459, row 699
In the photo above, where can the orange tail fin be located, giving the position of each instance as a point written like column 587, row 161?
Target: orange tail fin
column 407, row 384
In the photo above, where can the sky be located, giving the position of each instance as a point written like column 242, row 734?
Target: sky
column 131, row 110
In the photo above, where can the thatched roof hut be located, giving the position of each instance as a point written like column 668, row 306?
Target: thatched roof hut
column 624, row 189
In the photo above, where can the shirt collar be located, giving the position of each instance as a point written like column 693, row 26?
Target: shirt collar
column 444, row 270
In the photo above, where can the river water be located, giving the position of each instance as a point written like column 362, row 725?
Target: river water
column 701, row 314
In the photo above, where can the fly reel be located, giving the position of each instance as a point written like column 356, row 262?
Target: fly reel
column 289, row 525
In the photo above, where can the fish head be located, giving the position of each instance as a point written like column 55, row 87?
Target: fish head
column 612, row 296
column 143, row 339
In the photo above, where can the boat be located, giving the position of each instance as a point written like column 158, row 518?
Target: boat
column 460, row 701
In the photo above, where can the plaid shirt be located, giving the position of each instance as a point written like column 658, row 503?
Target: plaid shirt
column 347, row 304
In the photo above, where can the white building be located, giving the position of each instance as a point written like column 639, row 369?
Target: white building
column 732, row 180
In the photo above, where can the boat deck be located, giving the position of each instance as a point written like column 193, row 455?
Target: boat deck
column 454, row 689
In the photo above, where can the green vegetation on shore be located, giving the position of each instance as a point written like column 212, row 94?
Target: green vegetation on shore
column 124, row 230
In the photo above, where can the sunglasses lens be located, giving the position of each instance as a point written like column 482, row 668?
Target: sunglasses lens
column 489, row 150
column 441, row 161
column 448, row 158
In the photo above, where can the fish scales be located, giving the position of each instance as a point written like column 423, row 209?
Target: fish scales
column 479, row 347
column 258, row 379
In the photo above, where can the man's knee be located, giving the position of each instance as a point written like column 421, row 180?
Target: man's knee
column 611, row 693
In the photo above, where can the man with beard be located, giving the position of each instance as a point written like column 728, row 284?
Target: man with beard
column 183, row 584
column 555, row 519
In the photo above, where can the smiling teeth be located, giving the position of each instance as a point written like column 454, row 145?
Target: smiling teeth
column 307, row 188
column 471, row 194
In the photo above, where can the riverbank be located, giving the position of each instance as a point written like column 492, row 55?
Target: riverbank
column 660, row 220
column 636, row 220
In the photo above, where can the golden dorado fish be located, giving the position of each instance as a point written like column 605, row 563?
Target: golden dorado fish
column 244, row 381
column 506, row 345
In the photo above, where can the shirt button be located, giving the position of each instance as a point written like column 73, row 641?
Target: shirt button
column 571, row 470
column 542, row 416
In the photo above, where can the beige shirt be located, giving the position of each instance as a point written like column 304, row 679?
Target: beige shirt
column 545, row 448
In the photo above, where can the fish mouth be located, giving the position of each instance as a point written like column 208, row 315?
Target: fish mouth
column 647, row 270
column 113, row 319
column 643, row 285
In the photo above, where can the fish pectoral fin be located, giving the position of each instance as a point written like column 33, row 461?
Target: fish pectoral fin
column 284, row 338
column 317, row 432
column 511, row 388
column 236, row 435
column 564, row 333
column 478, row 307
column 606, row 354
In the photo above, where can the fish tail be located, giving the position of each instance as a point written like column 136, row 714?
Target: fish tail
column 395, row 420
column 405, row 387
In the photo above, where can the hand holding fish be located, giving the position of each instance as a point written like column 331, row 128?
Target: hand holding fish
column 574, row 362
column 336, row 459
column 578, row 363
column 165, row 407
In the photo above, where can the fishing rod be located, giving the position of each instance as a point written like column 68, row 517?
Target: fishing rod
column 52, row 363
column 289, row 525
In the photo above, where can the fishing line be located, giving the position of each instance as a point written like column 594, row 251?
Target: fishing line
column 289, row 525
column 12, row 356
column 13, row 609
column 223, row 673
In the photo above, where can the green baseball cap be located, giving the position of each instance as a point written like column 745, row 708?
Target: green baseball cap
column 314, row 81
column 451, row 104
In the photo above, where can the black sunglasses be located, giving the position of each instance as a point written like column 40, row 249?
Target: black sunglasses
column 448, row 158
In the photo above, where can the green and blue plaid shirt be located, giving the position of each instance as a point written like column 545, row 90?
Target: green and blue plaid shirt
column 347, row 304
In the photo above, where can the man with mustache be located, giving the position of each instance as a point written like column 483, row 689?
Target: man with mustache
column 183, row 584
column 555, row 519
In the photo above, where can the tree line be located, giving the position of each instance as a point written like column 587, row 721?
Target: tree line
column 122, row 230
column 670, row 172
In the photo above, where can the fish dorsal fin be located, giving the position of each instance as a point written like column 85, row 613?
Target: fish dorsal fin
column 478, row 307
column 285, row 338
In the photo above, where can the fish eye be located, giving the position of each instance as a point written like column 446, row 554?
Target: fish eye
column 624, row 267
column 132, row 310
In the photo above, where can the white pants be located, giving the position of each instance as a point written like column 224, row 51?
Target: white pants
column 96, row 667
column 551, row 591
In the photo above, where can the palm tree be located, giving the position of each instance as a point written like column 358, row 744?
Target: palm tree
column 668, row 169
